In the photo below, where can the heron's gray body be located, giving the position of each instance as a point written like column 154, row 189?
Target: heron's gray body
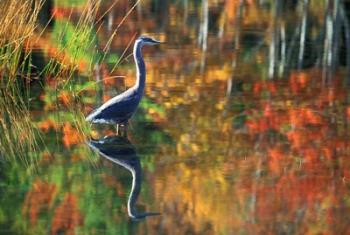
column 120, row 108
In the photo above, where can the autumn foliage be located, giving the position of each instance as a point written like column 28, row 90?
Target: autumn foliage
column 67, row 216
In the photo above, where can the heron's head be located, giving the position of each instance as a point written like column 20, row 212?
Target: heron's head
column 147, row 41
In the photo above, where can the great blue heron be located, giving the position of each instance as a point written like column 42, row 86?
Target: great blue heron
column 120, row 108
column 120, row 151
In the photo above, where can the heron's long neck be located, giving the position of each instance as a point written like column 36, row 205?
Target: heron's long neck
column 140, row 67
column 135, row 191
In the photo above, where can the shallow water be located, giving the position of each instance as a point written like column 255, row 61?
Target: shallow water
column 229, row 139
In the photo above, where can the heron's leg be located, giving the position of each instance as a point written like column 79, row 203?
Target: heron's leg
column 117, row 127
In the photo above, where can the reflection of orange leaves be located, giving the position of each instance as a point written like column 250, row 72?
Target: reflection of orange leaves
column 346, row 173
column 251, row 126
column 257, row 87
column 39, row 197
column 82, row 65
column 258, row 126
column 47, row 124
column 156, row 116
column 291, row 193
column 271, row 119
column 263, row 125
column 297, row 138
column 331, row 95
column 327, row 152
column 348, row 112
column 275, row 153
column 75, row 157
column 112, row 81
column 303, row 116
column 302, row 79
column 231, row 9
column 295, row 118
column 310, row 155
column 65, row 97
column 312, row 117
column 111, row 182
column 70, row 135
column 58, row 13
column 341, row 144
column 275, row 158
column 271, row 86
column 298, row 81
column 267, row 110
column 67, row 216
column 106, row 98
column 218, row 74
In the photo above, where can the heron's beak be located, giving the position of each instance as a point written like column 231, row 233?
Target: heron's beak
column 156, row 41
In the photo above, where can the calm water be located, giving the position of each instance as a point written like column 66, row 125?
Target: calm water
column 243, row 128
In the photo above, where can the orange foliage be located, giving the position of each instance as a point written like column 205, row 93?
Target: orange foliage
column 106, row 98
column 298, row 81
column 260, row 85
column 67, row 216
column 65, row 97
column 58, row 13
column 38, row 198
column 311, row 136
column 70, row 135
column 276, row 156
column 47, row 124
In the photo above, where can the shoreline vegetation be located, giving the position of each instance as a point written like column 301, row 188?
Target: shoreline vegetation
column 22, row 76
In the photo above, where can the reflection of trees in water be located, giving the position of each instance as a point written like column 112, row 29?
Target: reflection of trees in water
column 277, row 162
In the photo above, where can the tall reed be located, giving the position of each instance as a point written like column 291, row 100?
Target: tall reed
column 18, row 23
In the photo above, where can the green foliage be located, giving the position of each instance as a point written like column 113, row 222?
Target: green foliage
column 78, row 43
column 71, row 3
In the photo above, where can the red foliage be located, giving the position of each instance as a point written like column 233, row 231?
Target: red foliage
column 308, row 167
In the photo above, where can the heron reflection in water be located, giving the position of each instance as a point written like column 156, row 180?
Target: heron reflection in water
column 120, row 108
column 120, row 151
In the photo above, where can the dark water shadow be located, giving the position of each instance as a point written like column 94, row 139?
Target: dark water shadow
column 122, row 152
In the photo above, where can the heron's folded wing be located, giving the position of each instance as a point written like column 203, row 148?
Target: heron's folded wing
column 119, row 109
